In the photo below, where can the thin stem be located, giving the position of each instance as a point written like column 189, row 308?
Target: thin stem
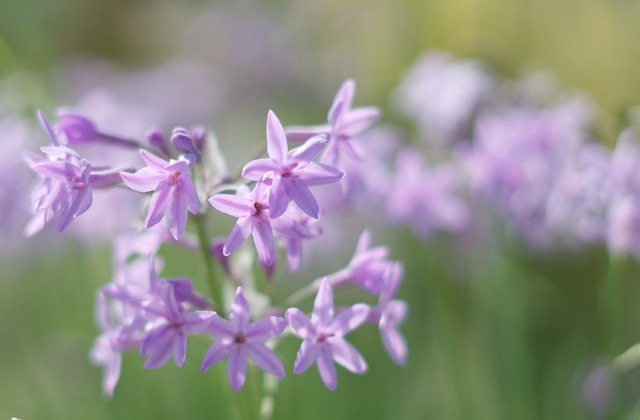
column 212, row 278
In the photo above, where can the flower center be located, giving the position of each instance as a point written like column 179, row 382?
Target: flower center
column 174, row 177
column 239, row 338
column 322, row 337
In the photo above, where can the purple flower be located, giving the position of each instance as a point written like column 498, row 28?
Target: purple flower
column 366, row 268
column 121, row 330
column 390, row 313
column 168, row 335
column 173, row 191
column 253, row 219
column 344, row 125
column 291, row 172
column 425, row 197
column 323, row 337
column 65, row 188
column 240, row 339
column 441, row 95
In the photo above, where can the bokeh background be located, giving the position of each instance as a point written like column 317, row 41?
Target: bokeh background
column 519, row 340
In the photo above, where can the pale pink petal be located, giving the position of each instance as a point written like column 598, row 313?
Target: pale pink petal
column 320, row 174
column 144, row 180
column 395, row 345
column 233, row 205
column 154, row 161
column 358, row 120
column 310, row 149
column 256, row 169
column 177, row 214
column 298, row 134
column 198, row 321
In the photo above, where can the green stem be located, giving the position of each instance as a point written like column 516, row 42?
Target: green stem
column 212, row 278
column 611, row 307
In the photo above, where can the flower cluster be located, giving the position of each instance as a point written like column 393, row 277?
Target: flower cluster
column 184, row 178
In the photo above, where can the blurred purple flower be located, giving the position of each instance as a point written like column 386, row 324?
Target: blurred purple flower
column 390, row 313
column 425, row 198
column 442, row 94
column 79, row 130
column 344, row 125
column 291, row 172
column 173, row 194
column 240, row 339
column 323, row 334
column 518, row 155
column 170, row 324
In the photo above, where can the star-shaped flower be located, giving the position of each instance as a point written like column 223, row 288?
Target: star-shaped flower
column 239, row 340
column 323, row 337
column 344, row 125
column 173, row 191
column 168, row 335
column 291, row 172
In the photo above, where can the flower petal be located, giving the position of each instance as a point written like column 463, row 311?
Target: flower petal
column 215, row 354
column 144, row 180
column 320, row 174
column 160, row 204
column 263, row 239
column 266, row 359
column 349, row 319
column 180, row 343
column 233, row 205
column 256, row 169
column 326, row 368
column 346, row 355
column 237, row 366
column 154, row 161
column 323, row 305
column 239, row 311
column 266, row 328
column 279, row 199
column 238, row 235
column 177, row 214
column 300, row 133
column 395, row 345
column 276, row 139
column 358, row 120
column 310, row 149
column 301, row 325
column 300, row 194
column 197, row 321
column 307, row 354
column 220, row 328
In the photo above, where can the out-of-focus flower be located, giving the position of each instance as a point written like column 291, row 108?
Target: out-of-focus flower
column 518, row 155
column 322, row 336
column 344, row 125
column 425, row 198
column 173, row 191
column 291, row 172
column 239, row 340
column 390, row 313
column 442, row 94
column 577, row 207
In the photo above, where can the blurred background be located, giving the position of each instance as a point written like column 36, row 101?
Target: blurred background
column 495, row 330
